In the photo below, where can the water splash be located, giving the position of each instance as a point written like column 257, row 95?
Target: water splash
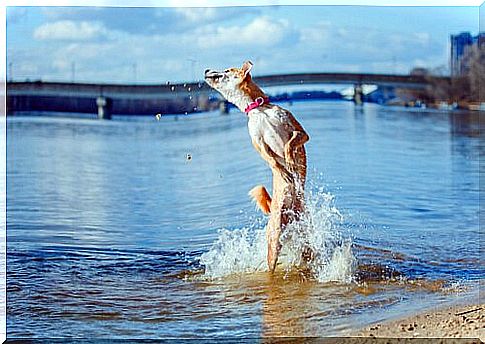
column 236, row 251
column 319, row 229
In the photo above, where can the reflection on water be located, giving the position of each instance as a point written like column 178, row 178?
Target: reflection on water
column 108, row 221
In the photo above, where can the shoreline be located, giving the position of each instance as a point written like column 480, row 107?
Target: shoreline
column 473, row 107
column 452, row 321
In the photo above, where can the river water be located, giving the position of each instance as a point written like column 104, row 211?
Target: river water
column 138, row 228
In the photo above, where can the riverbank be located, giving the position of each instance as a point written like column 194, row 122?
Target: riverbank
column 440, row 105
column 450, row 322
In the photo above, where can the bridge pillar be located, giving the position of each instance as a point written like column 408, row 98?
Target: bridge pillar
column 104, row 107
column 358, row 93
column 203, row 103
column 224, row 107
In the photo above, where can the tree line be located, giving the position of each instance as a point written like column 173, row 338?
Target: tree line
column 469, row 87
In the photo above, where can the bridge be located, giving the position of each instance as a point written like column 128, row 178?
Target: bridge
column 107, row 99
column 386, row 80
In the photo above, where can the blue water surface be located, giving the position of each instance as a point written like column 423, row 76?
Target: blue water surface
column 106, row 221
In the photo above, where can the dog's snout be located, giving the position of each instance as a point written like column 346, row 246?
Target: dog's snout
column 212, row 74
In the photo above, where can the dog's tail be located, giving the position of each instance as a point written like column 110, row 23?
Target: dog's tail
column 262, row 198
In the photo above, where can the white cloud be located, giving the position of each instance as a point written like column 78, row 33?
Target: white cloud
column 373, row 49
column 422, row 38
column 320, row 32
column 207, row 15
column 147, row 20
column 198, row 14
column 178, row 44
column 69, row 30
column 262, row 31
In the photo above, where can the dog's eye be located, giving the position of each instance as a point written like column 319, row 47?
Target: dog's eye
column 227, row 71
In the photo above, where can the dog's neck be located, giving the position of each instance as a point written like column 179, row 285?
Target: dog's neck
column 245, row 94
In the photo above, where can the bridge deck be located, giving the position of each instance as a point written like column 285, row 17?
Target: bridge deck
column 170, row 90
column 169, row 98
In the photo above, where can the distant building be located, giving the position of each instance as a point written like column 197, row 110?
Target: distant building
column 460, row 45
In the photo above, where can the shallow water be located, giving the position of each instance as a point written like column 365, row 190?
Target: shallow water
column 114, row 226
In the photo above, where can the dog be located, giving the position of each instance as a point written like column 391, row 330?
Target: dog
column 279, row 138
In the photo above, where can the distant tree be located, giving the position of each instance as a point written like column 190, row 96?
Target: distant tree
column 419, row 71
column 469, row 87
column 476, row 72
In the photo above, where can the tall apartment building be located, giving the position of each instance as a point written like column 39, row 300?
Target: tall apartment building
column 460, row 45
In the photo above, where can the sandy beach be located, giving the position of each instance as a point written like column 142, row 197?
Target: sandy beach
column 450, row 322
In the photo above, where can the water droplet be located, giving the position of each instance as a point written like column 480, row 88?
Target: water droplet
column 168, row 83
column 188, row 89
column 185, row 85
column 158, row 116
column 186, row 112
column 199, row 85
column 190, row 97
column 173, row 88
column 188, row 157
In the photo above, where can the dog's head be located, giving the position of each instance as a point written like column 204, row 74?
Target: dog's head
column 228, row 80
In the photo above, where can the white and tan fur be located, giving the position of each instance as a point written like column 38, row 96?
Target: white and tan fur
column 279, row 139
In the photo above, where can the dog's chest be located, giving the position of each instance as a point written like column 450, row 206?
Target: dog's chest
column 273, row 126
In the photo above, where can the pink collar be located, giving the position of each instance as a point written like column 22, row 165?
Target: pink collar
column 257, row 103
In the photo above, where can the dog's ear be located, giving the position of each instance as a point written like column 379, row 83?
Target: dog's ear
column 246, row 67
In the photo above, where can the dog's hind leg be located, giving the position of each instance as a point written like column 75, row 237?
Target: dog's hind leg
column 280, row 218
column 273, row 232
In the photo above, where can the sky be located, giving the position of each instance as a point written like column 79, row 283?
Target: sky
column 159, row 45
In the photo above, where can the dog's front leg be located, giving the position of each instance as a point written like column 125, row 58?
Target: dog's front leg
column 270, row 157
column 298, row 139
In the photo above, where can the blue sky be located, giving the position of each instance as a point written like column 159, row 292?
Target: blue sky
column 156, row 45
